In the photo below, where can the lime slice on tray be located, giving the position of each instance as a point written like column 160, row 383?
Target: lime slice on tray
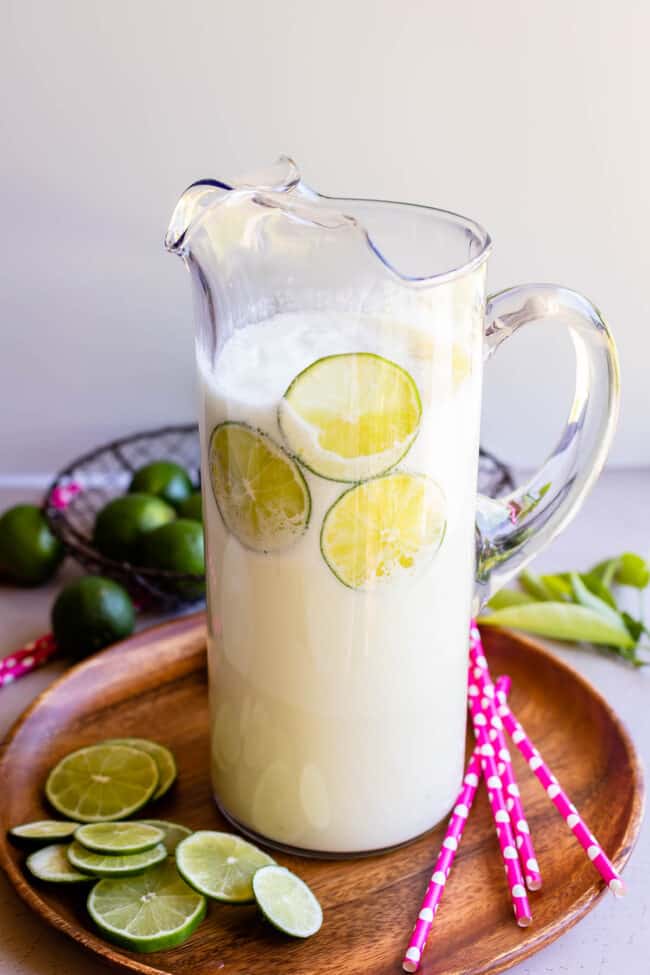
column 148, row 913
column 43, row 830
column 51, row 863
column 220, row 865
column 119, row 838
column 114, row 865
column 287, row 902
column 384, row 529
column 165, row 761
column 173, row 833
column 261, row 494
column 352, row 416
column 102, row 782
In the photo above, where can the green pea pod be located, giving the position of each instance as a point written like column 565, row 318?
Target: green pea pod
column 595, row 584
column 509, row 597
column 534, row 586
column 562, row 621
column 559, row 587
column 628, row 569
column 585, row 597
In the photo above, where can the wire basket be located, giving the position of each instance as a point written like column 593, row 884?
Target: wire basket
column 106, row 472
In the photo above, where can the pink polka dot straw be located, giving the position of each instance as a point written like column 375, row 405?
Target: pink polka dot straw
column 500, row 815
column 481, row 684
column 434, row 892
column 556, row 794
column 23, row 661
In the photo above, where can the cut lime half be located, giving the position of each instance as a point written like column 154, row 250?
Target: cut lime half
column 43, row 831
column 352, row 416
column 119, row 838
column 259, row 490
column 102, row 782
column 162, row 756
column 287, row 902
column 384, row 529
column 148, row 913
column 220, row 865
column 173, row 833
column 114, row 865
column 51, row 863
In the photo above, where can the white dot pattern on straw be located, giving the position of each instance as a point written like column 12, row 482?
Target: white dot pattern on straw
column 461, row 810
column 426, row 914
column 439, row 877
column 553, row 790
column 502, row 816
column 593, row 852
column 471, row 779
column 572, row 820
column 450, row 843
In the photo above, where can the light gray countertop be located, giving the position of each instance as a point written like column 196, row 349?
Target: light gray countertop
column 613, row 939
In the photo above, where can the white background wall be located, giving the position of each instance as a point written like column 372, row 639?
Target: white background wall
column 533, row 118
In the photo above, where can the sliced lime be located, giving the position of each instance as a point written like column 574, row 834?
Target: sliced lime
column 261, row 494
column 384, row 529
column 220, row 865
column 51, row 863
column 173, row 833
column 148, row 913
column 352, row 416
column 114, row 865
column 165, row 761
column 102, row 782
column 287, row 902
column 43, row 830
column 122, row 838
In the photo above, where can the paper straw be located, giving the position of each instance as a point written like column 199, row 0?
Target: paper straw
column 450, row 844
column 480, row 677
column 559, row 798
column 26, row 659
column 501, row 816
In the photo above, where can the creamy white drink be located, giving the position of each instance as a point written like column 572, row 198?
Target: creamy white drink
column 338, row 608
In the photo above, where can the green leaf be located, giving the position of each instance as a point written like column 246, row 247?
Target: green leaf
column 585, row 597
column 534, row 586
column 563, row 621
column 595, row 584
column 628, row 569
column 509, row 597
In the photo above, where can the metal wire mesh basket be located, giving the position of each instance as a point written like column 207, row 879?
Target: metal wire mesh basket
column 106, row 472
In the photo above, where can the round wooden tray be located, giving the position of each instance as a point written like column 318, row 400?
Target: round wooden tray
column 155, row 685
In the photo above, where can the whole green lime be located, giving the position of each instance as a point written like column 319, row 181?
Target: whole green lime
column 121, row 525
column 29, row 553
column 192, row 507
column 91, row 613
column 178, row 547
column 165, row 480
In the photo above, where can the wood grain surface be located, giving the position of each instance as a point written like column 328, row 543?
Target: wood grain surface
column 154, row 685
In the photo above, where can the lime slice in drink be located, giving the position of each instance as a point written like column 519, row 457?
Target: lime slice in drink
column 148, row 913
column 51, row 863
column 261, row 494
column 102, row 782
column 173, row 833
column 43, row 831
column 352, row 416
column 220, row 865
column 384, row 529
column 162, row 756
column 287, row 902
column 114, row 865
column 122, row 838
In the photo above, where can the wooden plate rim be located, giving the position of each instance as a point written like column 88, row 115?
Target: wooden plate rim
column 117, row 959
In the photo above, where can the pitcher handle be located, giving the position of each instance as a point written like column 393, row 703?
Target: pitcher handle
column 514, row 529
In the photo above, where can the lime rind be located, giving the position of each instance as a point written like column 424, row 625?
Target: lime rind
column 174, row 833
column 162, row 756
column 349, row 464
column 114, row 865
column 152, row 912
column 403, row 532
column 260, row 492
column 51, row 863
column 102, row 783
column 287, row 902
column 43, row 830
column 119, row 838
column 220, row 865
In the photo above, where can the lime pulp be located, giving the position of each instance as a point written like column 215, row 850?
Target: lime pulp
column 118, row 838
column 165, row 761
column 220, row 865
column 287, row 902
column 51, row 863
column 114, row 865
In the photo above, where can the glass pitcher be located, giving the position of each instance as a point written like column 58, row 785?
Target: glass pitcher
column 340, row 347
